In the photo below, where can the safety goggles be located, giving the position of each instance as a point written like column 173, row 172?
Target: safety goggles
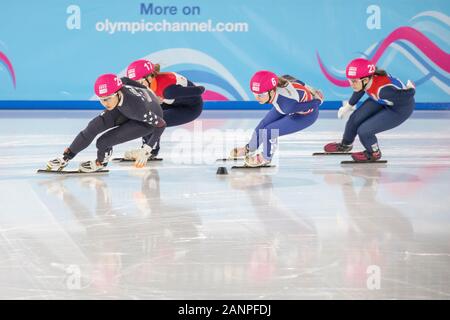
column 107, row 98
column 261, row 95
column 354, row 81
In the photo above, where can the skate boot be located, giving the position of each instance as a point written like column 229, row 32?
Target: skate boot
column 239, row 152
column 365, row 156
column 92, row 166
column 256, row 160
column 337, row 147
column 153, row 154
column 60, row 163
column 57, row 164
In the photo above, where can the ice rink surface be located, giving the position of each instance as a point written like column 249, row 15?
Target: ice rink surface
column 310, row 228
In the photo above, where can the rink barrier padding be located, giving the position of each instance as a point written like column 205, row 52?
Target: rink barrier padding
column 208, row 105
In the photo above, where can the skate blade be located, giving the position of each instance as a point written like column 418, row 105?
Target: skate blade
column 129, row 160
column 331, row 153
column 366, row 162
column 230, row 159
column 70, row 171
column 248, row 167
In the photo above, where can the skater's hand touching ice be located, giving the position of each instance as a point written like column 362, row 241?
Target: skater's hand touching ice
column 142, row 156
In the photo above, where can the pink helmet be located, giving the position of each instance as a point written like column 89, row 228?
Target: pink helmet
column 140, row 69
column 263, row 81
column 359, row 68
column 107, row 84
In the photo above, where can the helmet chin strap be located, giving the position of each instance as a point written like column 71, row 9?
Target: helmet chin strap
column 270, row 97
column 119, row 98
column 365, row 85
column 148, row 82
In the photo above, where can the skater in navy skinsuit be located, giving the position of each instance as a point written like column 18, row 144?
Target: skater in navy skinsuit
column 389, row 104
column 181, row 100
column 132, row 111
column 295, row 107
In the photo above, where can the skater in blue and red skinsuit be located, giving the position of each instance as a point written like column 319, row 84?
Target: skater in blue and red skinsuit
column 181, row 100
column 389, row 104
column 295, row 107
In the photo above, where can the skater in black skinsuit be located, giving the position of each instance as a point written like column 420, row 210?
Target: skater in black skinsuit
column 132, row 111
column 181, row 100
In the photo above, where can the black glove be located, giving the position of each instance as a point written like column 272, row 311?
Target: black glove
column 202, row 89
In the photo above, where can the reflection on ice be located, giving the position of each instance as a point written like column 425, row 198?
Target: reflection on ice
column 311, row 229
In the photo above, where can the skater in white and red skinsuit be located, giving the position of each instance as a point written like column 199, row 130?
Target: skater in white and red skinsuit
column 389, row 104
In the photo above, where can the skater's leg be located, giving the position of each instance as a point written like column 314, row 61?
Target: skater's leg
column 107, row 120
column 128, row 131
column 182, row 114
column 284, row 126
column 388, row 118
column 257, row 136
column 364, row 112
column 177, row 115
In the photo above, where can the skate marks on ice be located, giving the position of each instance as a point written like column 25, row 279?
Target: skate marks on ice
column 71, row 172
column 131, row 160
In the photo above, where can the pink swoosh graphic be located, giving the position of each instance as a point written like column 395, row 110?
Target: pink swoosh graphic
column 338, row 82
column 8, row 64
column 431, row 50
column 209, row 95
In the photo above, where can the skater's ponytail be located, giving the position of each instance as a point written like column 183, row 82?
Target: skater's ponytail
column 380, row 72
column 157, row 69
column 282, row 82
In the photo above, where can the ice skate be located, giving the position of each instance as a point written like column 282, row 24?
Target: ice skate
column 336, row 147
column 365, row 156
column 257, row 160
column 92, row 166
column 57, row 164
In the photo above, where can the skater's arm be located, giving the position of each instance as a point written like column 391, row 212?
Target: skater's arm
column 291, row 106
column 177, row 91
column 397, row 96
column 150, row 117
column 143, row 110
column 356, row 96
column 156, row 135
